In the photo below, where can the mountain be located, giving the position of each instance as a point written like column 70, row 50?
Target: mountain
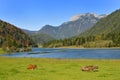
column 49, row 30
column 13, row 37
column 105, row 33
column 109, row 24
column 78, row 24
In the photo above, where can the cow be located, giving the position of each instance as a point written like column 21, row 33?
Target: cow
column 31, row 67
column 89, row 68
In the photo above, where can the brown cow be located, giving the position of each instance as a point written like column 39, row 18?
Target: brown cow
column 31, row 67
column 89, row 68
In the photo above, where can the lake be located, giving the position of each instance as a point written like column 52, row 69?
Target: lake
column 69, row 53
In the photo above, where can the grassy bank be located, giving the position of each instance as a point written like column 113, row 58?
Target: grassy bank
column 2, row 51
column 82, row 47
column 57, row 69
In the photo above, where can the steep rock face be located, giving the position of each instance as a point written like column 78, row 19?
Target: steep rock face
column 11, row 36
column 109, row 24
column 77, row 25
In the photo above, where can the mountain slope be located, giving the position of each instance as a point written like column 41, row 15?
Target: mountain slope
column 106, row 25
column 49, row 30
column 73, row 27
column 13, row 37
column 41, row 38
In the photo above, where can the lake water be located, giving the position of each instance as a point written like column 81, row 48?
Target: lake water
column 69, row 53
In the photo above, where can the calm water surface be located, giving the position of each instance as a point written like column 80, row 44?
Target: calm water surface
column 69, row 53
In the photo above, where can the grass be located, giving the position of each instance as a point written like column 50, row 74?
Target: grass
column 2, row 51
column 57, row 69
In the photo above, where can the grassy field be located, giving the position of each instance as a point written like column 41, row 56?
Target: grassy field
column 57, row 69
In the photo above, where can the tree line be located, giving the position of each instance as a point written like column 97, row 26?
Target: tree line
column 113, row 40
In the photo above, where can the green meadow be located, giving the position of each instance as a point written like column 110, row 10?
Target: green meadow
column 57, row 69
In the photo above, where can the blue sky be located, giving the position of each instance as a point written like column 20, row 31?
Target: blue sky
column 34, row 14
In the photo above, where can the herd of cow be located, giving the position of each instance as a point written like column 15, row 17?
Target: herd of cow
column 84, row 68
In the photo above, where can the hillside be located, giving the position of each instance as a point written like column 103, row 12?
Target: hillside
column 109, row 24
column 12, row 38
column 71, row 28
column 41, row 38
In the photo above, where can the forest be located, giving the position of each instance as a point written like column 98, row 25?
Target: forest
column 13, row 38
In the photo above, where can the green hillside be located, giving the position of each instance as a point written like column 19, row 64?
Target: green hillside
column 12, row 38
column 41, row 38
column 109, row 24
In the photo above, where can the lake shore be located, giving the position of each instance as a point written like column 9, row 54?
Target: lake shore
column 68, row 47
column 81, row 47
column 57, row 69
column 18, row 50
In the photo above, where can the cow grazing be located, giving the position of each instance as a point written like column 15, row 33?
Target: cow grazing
column 31, row 67
column 89, row 68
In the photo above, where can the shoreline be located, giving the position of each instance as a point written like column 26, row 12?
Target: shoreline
column 68, row 59
column 75, row 47
column 71, row 47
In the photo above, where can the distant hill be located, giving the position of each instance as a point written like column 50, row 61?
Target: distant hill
column 41, row 38
column 78, row 24
column 109, row 24
column 49, row 30
column 29, row 32
column 13, row 37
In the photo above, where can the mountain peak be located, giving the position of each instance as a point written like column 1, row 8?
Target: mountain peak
column 79, row 16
